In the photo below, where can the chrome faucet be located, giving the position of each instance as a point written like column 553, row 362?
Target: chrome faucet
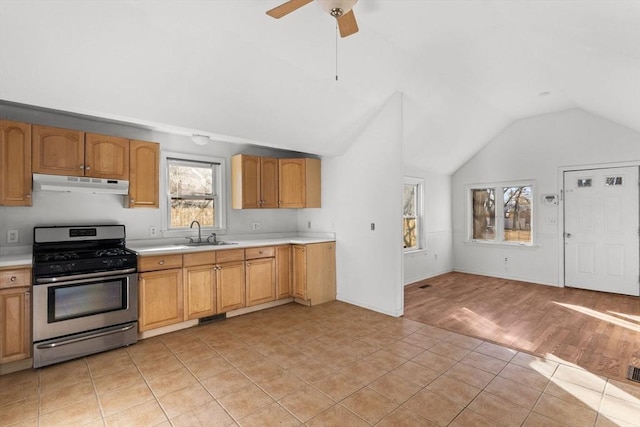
column 199, row 232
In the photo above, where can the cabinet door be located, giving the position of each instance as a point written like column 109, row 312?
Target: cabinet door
column 106, row 156
column 269, row 182
column 261, row 281
column 230, row 286
column 199, row 291
column 161, row 298
column 57, row 151
column 245, row 182
column 15, row 163
column 299, row 271
column 291, row 183
column 321, row 272
column 283, row 271
column 15, row 329
column 144, row 174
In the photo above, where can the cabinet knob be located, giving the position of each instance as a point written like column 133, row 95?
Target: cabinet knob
column 81, row 167
column 13, row 278
column 248, row 264
column 161, row 262
column 28, row 196
column 87, row 168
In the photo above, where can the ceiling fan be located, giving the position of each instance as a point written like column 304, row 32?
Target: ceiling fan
column 342, row 10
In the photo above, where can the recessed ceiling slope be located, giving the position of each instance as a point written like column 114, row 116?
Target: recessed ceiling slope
column 467, row 68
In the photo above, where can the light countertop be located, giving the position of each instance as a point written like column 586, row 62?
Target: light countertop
column 162, row 249
column 20, row 260
column 158, row 247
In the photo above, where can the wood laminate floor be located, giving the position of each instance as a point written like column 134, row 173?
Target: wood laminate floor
column 595, row 330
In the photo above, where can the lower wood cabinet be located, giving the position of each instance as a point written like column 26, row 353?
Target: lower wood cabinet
column 314, row 272
column 199, row 291
column 161, row 298
column 231, row 286
column 15, row 314
column 283, row 271
column 261, row 280
column 199, row 284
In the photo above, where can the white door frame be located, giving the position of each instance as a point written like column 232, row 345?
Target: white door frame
column 560, row 186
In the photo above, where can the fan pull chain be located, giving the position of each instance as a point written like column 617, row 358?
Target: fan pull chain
column 336, row 50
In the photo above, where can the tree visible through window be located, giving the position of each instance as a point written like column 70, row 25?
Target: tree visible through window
column 514, row 225
column 191, row 193
column 517, row 214
column 411, row 213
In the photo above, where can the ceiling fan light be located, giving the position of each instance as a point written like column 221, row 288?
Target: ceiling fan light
column 344, row 5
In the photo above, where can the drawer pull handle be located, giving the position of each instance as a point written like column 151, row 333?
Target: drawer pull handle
column 161, row 262
column 13, row 278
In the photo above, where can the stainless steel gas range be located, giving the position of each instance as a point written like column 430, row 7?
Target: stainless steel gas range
column 85, row 292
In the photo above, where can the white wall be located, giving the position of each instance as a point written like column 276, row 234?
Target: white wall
column 361, row 187
column 437, row 255
column 53, row 208
column 535, row 149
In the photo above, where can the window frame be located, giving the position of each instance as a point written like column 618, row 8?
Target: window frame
column 498, row 188
column 420, row 234
column 220, row 193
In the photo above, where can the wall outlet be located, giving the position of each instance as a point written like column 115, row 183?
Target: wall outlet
column 308, row 224
column 153, row 231
column 13, row 236
column 332, row 224
column 255, row 226
column 373, row 226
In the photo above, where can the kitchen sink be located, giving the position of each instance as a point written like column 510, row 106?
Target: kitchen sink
column 207, row 243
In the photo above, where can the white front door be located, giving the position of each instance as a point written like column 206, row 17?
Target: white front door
column 601, row 230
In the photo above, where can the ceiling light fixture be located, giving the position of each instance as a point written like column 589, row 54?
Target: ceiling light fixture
column 200, row 139
column 337, row 8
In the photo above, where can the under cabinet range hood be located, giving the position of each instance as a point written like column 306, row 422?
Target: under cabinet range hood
column 79, row 184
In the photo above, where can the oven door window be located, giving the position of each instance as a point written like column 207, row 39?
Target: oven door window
column 86, row 299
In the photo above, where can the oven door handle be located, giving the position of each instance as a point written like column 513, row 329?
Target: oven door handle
column 76, row 277
column 84, row 338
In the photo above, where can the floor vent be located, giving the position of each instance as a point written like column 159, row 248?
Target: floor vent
column 214, row 318
column 634, row 373
column 425, row 286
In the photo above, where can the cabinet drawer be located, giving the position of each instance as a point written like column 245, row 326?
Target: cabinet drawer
column 199, row 258
column 263, row 252
column 15, row 278
column 159, row 262
column 229, row 255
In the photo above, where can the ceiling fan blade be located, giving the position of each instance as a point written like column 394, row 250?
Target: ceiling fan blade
column 287, row 8
column 347, row 24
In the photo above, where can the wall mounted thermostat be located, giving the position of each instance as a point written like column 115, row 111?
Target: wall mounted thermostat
column 549, row 199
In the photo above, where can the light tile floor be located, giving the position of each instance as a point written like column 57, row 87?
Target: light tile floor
column 329, row 365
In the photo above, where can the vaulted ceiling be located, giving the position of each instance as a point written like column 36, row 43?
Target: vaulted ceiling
column 467, row 69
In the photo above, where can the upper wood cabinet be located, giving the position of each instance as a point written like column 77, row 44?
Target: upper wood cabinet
column 15, row 163
column 299, row 183
column 106, row 156
column 144, row 175
column 59, row 151
column 254, row 182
